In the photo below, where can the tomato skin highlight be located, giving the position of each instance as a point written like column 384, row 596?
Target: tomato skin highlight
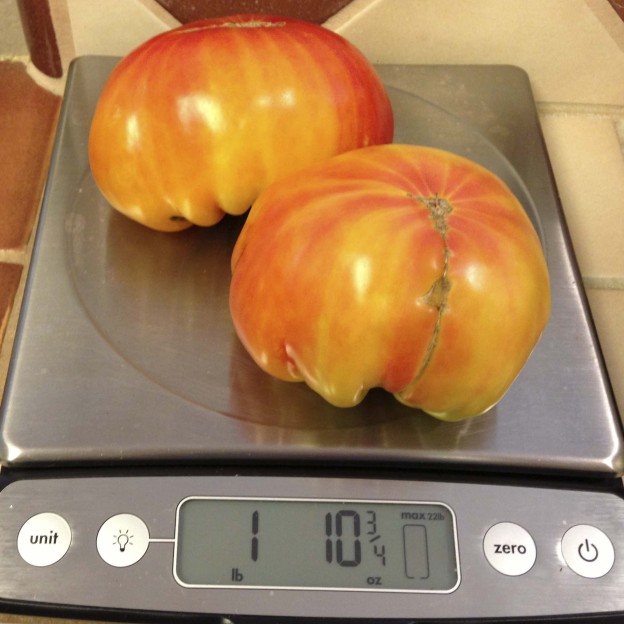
column 395, row 266
column 197, row 121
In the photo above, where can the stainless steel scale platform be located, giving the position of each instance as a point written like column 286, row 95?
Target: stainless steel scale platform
column 129, row 394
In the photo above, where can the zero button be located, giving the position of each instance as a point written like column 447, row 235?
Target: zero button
column 509, row 548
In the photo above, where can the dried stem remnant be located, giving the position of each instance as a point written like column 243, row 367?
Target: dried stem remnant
column 438, row 208
column 248, row 24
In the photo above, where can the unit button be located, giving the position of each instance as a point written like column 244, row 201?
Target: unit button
column 587, row 551
column 509, row 548
column 44, row 539
column 122, row 540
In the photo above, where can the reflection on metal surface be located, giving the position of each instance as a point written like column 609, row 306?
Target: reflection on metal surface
column 161, row 300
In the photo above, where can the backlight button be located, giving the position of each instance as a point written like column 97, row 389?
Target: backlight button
column 123, row 540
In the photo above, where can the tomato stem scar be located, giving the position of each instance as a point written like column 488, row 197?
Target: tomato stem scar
column 249, row 24
column 439, row 208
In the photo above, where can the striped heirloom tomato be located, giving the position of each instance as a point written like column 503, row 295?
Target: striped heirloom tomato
column 397, row 266
column 197, row 121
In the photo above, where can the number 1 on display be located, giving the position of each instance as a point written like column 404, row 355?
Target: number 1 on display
column 255, row 527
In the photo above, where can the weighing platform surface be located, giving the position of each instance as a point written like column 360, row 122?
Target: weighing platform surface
column 126, row 352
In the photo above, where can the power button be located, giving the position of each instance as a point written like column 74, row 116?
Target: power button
column 587, row 551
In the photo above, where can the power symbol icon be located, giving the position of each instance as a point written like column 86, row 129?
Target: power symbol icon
column 588, row 551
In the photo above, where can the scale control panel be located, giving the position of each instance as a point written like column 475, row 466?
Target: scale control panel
column 306, row 546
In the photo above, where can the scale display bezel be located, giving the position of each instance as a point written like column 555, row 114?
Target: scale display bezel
column 332, row 503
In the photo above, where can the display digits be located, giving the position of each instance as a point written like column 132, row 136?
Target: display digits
column 379, row 549
column 255, row 527
column 342, row 530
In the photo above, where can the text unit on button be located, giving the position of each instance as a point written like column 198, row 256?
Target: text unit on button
column 44, row 539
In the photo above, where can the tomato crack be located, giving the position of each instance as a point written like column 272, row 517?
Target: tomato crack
column 437, row 296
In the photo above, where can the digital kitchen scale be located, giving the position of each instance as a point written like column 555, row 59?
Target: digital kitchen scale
column 151, row 472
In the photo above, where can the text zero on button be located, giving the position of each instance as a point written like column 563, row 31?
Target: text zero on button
column 44, row 539
column 509, row 548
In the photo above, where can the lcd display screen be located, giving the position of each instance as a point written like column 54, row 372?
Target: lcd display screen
column 316, row 544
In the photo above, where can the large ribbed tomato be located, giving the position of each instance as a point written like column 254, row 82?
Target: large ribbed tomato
column 197, row 121
column 398, row 266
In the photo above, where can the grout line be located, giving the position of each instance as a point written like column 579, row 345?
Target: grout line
column 6, row 346
column 609, row 111
column 21, row 256
column 10, row 332
column 604, row 283
column 619, row 130
column 56, row 86
column 14, row 58
column 13, row 256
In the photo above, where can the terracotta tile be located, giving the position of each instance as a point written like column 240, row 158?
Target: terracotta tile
column 9, row 281
column 40, row 36
column 28, row 117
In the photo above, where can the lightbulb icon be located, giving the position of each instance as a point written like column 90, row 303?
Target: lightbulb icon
column 122, row 540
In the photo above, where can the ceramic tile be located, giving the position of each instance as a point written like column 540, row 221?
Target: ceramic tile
column 580, row 59
column 96, row 25
column 12, row 41
column 619, row 127
column 10, row 293
column 608, row 311
column 27, row 121
column 588, row 165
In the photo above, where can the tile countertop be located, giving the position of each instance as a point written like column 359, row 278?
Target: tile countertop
column 573, row 52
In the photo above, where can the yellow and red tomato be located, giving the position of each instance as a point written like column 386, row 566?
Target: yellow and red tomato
column 398, row 266
column 197, row 121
